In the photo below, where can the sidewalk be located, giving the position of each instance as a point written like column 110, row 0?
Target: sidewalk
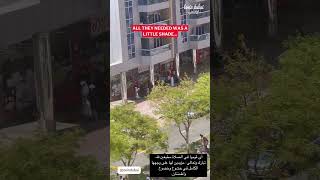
column 146, row 107
column 27, row 130
column 175, row 140
column 200, row 126
column 96, row 144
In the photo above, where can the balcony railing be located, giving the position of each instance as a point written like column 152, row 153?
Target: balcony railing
column 199, row 37
column 155, row 51
column 200, row 15
column 162, row 22
column 150, row 2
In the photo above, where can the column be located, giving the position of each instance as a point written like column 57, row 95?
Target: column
column 43, row 82
column 194, row 59
column 152, row 74
column 124, row 87
column 273, row 17
column 178, row 64
column 217, row 15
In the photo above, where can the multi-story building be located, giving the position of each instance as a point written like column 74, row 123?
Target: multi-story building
column 136, row 60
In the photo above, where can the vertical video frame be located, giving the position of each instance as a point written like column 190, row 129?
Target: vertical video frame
column 52, row 89
column 159, row 89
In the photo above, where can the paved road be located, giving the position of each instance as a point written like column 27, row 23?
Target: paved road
column 199, row 126
column 95, row 144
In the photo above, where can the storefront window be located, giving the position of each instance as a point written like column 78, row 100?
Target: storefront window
column 115, row 85
column 163, row 70
column 132, row 80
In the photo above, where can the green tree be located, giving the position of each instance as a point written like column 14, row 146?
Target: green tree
column 132, row 132
column 183, row 104
column 48, row 157
column 283, row 121
column 243, row 83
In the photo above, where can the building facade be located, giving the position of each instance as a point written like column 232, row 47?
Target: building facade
column 137, row 61
column 35, row 36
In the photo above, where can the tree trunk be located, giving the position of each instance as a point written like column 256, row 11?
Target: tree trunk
column 187, row 140
column 134, row 157
column 185, row 137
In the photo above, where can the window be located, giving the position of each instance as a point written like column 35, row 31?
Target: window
column 182, row 10
column 157, row 17
column 199, row 30
column 157, row 42
column 153, row 18
column 130, row 34
column 183, row 16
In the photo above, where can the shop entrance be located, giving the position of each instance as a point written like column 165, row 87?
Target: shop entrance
column 79, row 65
column 76, row 56
column 186, row 63
column 163, row 70
column 17, row 90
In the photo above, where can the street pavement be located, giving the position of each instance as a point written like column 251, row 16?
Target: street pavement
column 175, row 140
column 95, row 144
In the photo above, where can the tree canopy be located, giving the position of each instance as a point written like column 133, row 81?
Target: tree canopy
column 283, row 121
column 131, row 132
column 48, row 157
column 184, row 103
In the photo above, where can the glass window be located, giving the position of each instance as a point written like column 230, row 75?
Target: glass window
column 184, row 35
column 157, row 42
column 130, row 12
column 132, row 37
column 129, row 22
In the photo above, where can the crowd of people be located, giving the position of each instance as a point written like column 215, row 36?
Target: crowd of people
column 144, row 89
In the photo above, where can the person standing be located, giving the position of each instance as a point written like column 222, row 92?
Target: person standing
column 137, row 89
column 172, row 80
column 92, row 97
column 204, row 142
column 168, row 80
column 84, row 99
column 175, row 77
column 148, row 89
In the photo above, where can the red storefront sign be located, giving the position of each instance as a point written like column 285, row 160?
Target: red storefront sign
column 98, row 25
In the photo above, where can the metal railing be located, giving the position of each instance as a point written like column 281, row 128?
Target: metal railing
column 199, row 15
column 162, row 22
column 155, row 51
column 200, row 37
column 150, row 2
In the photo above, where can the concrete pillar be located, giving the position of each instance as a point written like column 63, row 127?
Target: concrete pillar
column 194, row 60
column 43, row 82
column 178, row 64
column 152, row 74
column 124, row 87
column 216, row 6
column 273, row 17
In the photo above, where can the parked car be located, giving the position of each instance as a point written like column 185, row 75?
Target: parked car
column 262, row 164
